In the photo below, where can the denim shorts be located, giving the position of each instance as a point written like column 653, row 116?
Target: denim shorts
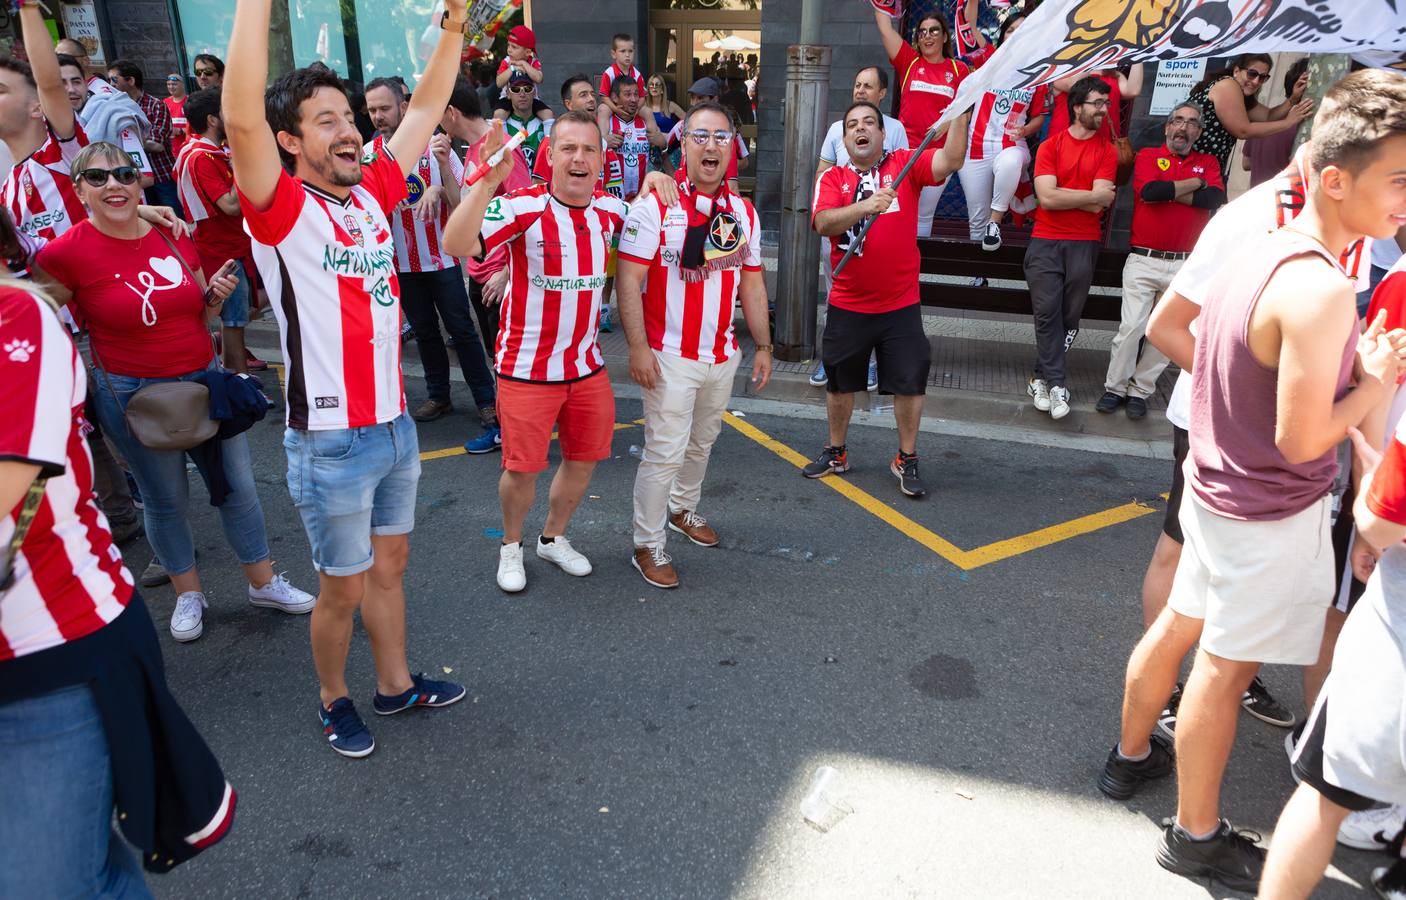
column 235, row 311
column 349, row 484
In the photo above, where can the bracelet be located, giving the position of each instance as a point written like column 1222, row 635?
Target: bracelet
column 762, row 348
column 447, row 24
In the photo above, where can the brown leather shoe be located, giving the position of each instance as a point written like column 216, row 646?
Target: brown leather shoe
column 694, row 527
column 431, row 410
column 656, row 567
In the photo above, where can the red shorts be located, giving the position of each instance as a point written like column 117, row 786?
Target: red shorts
column 582, row 411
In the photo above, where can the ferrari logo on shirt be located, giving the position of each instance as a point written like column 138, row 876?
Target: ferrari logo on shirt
column 1164, row 164
column 725, row 233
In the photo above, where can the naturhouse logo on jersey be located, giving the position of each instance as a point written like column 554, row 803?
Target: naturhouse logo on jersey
column 568, row 283
column 494, row 212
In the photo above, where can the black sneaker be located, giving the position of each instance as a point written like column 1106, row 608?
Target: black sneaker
column 1121, row 777
column 831, row 461
column 1390, row 883
column 1230, row 857
column 1109, row 402
column 1137, row 408
column 1167, row 721
column 905, row 468
column 1258, row 703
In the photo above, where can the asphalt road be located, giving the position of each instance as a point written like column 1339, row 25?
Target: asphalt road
column 620, row 741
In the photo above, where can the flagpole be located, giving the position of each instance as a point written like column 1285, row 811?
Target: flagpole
column 907, row 167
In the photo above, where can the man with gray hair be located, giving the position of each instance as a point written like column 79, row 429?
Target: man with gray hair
column 1175, row 191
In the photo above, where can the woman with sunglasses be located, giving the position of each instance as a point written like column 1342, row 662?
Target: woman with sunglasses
column 666, row 112
column 928, row 78
column 140, row 292
column 1232, row 111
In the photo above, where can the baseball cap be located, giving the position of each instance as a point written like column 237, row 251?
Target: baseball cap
column 519, row 77
column 523, row 37
column 706, row 87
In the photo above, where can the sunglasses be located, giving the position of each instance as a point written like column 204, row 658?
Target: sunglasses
column 125, row 175
column 520, row 89
column 205, row 73
column 935, row 30
column 700, row 137
column 1255, row 74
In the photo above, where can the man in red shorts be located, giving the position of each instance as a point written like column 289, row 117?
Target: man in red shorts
column 559, row 236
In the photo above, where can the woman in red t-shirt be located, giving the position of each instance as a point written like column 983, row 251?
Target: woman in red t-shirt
column 146, row 311
column 928, row 78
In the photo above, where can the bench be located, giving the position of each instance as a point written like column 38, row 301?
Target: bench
column 950, row 251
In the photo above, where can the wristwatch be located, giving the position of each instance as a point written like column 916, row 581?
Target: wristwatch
column 461, row 27
column 760, row 348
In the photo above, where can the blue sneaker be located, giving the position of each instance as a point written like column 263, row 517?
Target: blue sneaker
column 818, row 377
column 490, row 440
column 425, row 693
column 344, row 729
column 873, row 382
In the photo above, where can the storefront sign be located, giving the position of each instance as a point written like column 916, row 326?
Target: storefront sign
column 80, row 21
column 1175, row 79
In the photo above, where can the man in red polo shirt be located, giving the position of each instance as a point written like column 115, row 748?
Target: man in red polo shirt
column 1074, row 181
column 1175, row 191
column 874, row 301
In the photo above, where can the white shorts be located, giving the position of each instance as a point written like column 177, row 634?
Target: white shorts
column 1263, row 588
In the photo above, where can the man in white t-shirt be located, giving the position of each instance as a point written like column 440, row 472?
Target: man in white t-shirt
column 871, row 85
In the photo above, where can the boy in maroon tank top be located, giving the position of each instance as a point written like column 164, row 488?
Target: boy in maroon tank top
column 1273, row 394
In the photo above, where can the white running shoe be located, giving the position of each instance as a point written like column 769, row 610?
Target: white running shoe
column 1059, row 402
column 991, row 241
column 279, row 594
column 1372, row 829
column 512, row 577
column 564, row 556
column 186, row 622
column 1040, row 391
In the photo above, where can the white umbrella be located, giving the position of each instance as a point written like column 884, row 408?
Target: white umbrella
column 732, row 42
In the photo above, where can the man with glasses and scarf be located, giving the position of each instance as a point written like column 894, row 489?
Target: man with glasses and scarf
column 701, row 256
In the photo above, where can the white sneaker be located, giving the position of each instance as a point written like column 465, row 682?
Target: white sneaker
column 1059, row 402
column 279, row 594
column 992, row 239
column 186, row 622
column 560, row 553
column 1372, row 829
column 512, row 577
column 1038, row 389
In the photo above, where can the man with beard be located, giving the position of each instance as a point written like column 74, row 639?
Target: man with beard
column 317, row 212
column 551, row 375
column 701, row 257
column 1074, row 181
column 431, row 282
column 874, row 306
column 1175, row 191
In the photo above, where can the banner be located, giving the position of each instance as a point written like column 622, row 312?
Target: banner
column 1076, row 37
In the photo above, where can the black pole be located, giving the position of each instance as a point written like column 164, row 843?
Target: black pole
column 912, row 160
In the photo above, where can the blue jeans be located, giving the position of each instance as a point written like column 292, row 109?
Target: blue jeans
column 422, row 296
column 165, row 486
column 235, row 311
column 351, row 483
column 56, row 837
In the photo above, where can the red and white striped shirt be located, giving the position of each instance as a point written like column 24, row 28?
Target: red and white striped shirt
column 329, row 267
column 419, row 246
column 69, row 577
column 39, row 190
column 607, row 78
column 996, row 113
column 550, row 321
column 633, row 153
column 691, row 319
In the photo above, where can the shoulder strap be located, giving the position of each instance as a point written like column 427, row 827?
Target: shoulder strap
column 28, row 510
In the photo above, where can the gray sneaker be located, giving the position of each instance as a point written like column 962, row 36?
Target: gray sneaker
column 154, row 575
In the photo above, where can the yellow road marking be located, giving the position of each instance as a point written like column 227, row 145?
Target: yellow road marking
column 962, row 559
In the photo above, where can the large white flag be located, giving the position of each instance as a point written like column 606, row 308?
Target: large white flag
column 1072, row 37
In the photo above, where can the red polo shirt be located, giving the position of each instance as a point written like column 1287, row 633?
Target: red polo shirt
column 1169, row 225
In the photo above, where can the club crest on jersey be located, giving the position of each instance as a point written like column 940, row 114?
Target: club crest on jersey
column 414, row 188
column 28, row 184
column 1164, row 164
column 725, row 232
column 354, row 230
